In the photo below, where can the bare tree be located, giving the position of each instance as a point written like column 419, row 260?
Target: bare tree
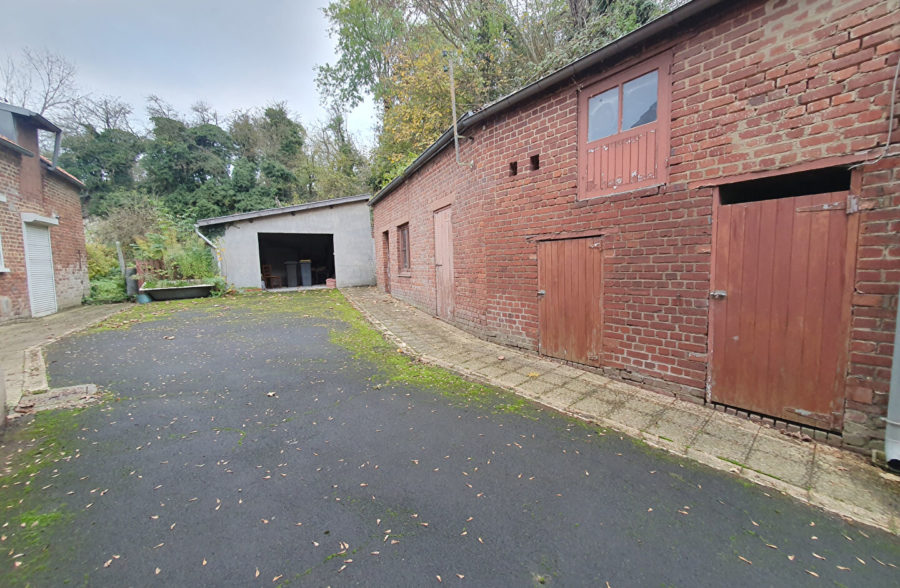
column 204, row 113
column 40, row 81
column 102, row 113
column 159, row 108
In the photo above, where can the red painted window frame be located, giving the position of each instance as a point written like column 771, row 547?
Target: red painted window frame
column 661, row 63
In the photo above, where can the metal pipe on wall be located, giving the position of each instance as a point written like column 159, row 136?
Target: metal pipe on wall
column 892, row 424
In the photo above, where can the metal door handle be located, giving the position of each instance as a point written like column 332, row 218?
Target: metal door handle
column 541, row 292
column 718, row 295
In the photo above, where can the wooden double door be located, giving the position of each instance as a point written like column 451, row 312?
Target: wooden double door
column 782, row 278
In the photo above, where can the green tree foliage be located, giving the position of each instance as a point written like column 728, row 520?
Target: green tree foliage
column 498, row 46
column 104, row 161
column 338, row 166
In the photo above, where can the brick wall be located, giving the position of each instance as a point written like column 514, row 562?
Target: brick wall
column 56, row 196
column 756, row 87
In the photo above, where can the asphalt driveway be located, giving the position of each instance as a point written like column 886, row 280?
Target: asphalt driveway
column 273, row 439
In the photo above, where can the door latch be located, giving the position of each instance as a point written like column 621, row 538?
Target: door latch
column 541, row 292
column 718, row 295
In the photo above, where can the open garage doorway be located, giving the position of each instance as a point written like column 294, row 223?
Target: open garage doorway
column 288, row 260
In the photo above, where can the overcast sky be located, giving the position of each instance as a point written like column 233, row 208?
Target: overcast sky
column 233, row 54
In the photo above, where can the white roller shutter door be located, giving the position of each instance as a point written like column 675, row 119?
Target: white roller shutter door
column 39, row 263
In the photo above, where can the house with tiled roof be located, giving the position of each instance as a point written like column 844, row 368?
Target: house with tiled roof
column 43, row 262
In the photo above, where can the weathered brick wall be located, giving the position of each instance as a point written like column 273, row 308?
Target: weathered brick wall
column 67, row 240
column 14, row 301
column 56, row 197
column 756, row 87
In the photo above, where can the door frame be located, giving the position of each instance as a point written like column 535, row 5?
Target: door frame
column 45, row 223
column 851, row 252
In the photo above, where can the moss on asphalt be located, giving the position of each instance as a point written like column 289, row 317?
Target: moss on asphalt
column 29, row 524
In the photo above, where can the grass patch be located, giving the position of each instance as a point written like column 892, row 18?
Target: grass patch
column 33, row 522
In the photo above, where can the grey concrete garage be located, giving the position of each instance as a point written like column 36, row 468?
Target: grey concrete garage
column 302, row 245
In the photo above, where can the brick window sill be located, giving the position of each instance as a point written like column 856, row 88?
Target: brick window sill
column 404, row 274
column 4, row 270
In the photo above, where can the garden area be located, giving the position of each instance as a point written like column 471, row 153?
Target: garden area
column 142, row 242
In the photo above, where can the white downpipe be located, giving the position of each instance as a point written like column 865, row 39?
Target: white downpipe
column 213, row 245
column 892, row 425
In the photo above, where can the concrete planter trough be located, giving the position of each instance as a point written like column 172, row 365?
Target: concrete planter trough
column 178, row 292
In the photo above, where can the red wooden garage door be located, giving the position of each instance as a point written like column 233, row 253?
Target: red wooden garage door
column 780, row 306
column 570, row 313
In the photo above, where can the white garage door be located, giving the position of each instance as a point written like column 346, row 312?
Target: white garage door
column 39, row 262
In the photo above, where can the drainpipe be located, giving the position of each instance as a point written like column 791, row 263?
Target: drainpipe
column 892, row 423
column 211, row 244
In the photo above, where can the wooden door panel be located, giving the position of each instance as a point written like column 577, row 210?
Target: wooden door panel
column 570, row 313
column 443, row 263
column 779, row 335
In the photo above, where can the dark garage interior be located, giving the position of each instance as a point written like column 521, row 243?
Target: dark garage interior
column 288, row 260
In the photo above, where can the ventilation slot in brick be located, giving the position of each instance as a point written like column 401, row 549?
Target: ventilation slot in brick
column 535, row 162
column 514, row 168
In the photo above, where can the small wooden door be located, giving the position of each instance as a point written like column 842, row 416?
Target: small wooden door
column 39, row 269
column 570, row 299
column 443, row 263
column 780, row 306
column 386, row 260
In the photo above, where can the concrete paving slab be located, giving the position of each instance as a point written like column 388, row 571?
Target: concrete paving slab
column 790, row 462
column 727, row 441
column 639, row 417
column 597, row 406
column 556, row 377
column 561, row 398
column 580, row 386
column 851, row 482
column 512, row 380
column 537, row 387
column 678, row 427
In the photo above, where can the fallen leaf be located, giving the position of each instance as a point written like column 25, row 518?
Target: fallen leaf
column 157, row 571
column 158, row 545
column 791, row 557
column 204, row 562
column 278, row 577
column 460, row 576
column 770, row 546
column 811, row 573
column 374, row 553
column 745, row 560
column 108, row 563
column 843, row 568
column 817, row 556
column 438, row 578
column 257, row 573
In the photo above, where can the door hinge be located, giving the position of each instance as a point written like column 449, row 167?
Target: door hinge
column 718, row 295
column 852, row 204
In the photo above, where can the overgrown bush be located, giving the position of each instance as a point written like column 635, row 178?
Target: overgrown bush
column 108, row 289
column 165, row 253
column 102, row 260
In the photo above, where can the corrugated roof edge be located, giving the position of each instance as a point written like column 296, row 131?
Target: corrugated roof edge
column 218, row 220
column 654, row 28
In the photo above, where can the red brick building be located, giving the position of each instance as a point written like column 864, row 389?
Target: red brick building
column 708, row 206
column 43, row 264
